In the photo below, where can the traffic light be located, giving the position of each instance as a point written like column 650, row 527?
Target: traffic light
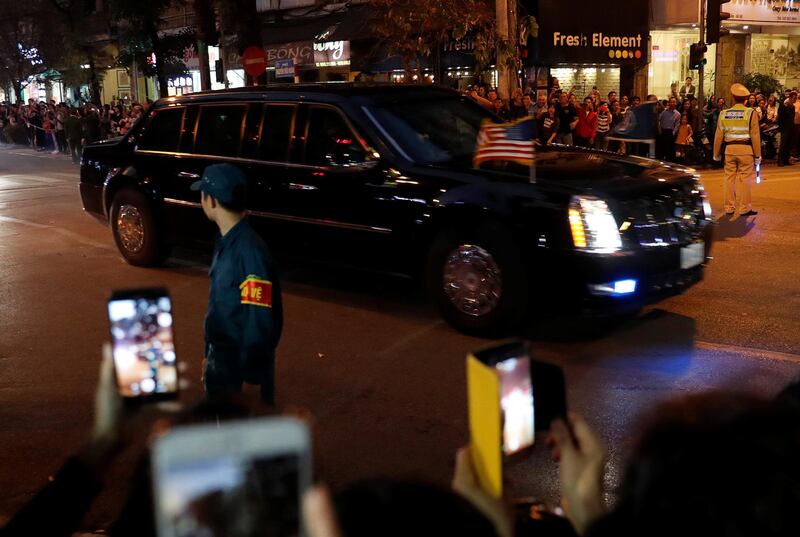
column 218, row 71
column 697, row 52
column 714, row 18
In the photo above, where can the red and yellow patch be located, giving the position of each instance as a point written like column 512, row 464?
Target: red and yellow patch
column 256, row 292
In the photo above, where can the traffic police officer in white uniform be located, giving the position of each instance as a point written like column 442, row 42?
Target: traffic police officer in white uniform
column 738, row 128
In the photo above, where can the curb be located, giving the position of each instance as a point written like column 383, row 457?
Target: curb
column 29, row 149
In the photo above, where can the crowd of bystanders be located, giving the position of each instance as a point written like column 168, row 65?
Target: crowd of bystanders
column 714, row 464
column 60, row 128
column 683, row 128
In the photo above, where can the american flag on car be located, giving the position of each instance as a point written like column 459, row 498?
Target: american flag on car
column 505, row 141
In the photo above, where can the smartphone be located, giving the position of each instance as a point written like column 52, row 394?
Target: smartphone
column 143, row 345
column 516, row 403
column 243, row 478
column 511, row 398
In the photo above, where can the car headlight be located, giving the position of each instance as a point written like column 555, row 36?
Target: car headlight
column 594, row 228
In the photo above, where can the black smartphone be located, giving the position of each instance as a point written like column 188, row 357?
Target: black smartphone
column 550, row 394
column 532, row 393
column 143, row 344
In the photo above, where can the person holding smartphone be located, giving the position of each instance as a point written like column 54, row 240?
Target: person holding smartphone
column 245, row 314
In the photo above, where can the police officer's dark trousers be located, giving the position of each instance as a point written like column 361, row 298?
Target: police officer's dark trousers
column 787, row 142
column 224, row 375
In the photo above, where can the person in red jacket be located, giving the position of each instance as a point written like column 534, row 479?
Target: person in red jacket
column 586, row 129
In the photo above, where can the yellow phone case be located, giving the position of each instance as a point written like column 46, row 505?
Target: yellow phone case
column 483, row 385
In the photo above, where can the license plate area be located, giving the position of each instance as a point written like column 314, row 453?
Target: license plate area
column 693, row 255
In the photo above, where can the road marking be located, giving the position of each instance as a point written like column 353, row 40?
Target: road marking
column 23, row 222
column 736, row 349
column 63, row 232
column 402, row 342
column 36, row 178
column 200, row 267
column 37, row 154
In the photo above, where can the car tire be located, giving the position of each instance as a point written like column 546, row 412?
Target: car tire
column 464, row 272
column 136, row 229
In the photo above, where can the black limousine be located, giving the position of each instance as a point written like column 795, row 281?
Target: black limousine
column 381, row 177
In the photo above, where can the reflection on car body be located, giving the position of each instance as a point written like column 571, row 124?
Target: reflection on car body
column 382, row 177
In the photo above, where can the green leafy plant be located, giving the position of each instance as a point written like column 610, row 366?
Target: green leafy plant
column 761, row 83
column 414, row 29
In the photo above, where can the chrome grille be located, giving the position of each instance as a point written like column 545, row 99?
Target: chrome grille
column 674, row 216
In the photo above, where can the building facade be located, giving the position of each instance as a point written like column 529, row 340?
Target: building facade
column 583, row 50
column 764, row 38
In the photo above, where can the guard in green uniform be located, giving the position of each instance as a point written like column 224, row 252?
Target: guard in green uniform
column 738, row 129
column 245, row 314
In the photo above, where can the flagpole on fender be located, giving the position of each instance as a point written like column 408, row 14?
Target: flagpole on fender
column 532, row 170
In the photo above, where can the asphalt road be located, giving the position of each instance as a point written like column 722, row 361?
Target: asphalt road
column 381, row 375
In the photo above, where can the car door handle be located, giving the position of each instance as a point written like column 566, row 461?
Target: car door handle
column 188, row 175
column 299, row 186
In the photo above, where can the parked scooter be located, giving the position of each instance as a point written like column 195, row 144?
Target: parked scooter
column 769, row 142
column 700, row 153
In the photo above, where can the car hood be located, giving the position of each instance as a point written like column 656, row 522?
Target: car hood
column 573, row 171
column 602, row 171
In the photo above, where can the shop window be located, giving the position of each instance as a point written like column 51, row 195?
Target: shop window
column 276, row 132
column 220, row 130
column 180, row 86
column 162, row 130
column 330, row 142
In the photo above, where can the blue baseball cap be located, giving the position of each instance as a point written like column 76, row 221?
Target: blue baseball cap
column 221, row 181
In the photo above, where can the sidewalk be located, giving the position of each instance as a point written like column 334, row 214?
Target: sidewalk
column 27, row 150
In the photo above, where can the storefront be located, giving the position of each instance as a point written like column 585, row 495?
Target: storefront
column 309, row 61
column 669, row 61
column 588, row 51
column 453, row 65
column 767, row 35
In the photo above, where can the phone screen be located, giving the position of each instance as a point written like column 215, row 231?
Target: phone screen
column 516, row 404
column 233, row 495
column 143, row 344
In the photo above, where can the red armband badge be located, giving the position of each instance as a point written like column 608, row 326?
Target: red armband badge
column 256, row 292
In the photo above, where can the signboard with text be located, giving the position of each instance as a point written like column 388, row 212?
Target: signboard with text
column 573, row 36
column 763, row 12
column 310, row 54
column 300, row 52
column 284, row 68
column 332, row 53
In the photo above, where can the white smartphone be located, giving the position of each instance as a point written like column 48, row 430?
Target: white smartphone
column 242, row 478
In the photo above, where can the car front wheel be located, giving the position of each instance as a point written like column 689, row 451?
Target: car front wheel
column 136, row 230
column 478, row 281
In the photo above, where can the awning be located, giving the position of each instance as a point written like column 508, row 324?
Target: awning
column 344, row 25
column 356, row 24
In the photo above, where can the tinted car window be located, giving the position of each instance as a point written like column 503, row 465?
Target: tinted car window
column 187, row 136
column 275, row 133
column 220, row 130
column 434, row 131
column 163, row 130
column 330, row 142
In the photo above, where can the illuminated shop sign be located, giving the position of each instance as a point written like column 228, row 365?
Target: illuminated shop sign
column 764, row 12
column 300, row 52
column 565, row 38
column 666, row 56
column 615, row 46
column 332, row 53
column 310, row 54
